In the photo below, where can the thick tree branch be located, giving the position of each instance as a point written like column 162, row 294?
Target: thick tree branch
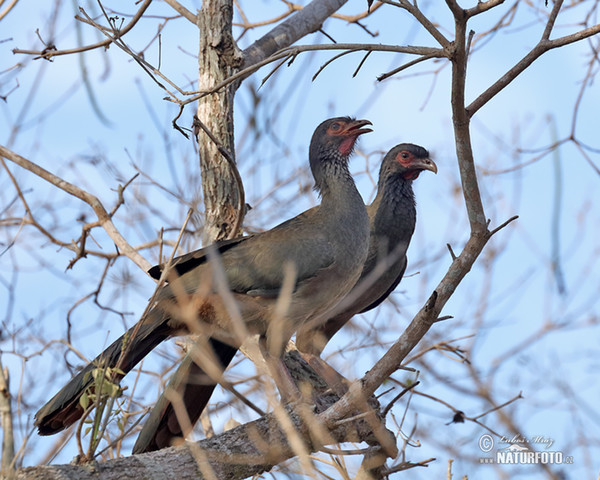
column 8, row 442
column 219, row 59
column 306, row 21
column 244, row 451
column 460, row 121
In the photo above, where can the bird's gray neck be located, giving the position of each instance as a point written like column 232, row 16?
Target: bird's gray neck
column 337, row 188
column 394, row 210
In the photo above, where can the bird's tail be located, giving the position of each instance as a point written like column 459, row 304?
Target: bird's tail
column 194, row 387
column 64, row 408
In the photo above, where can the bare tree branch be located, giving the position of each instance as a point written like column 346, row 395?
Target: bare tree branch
column 460, row 121
column 104, row 219
column 289, row 53
column 8, row 442
column 8, row 8
column 482, row 7
column 414, row 10
column 544, row 45
column 238, row 453
column 48, row 53
column 306, row 21
column 184, row 12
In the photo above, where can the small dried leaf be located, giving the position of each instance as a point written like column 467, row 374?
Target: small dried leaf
column 84, row 401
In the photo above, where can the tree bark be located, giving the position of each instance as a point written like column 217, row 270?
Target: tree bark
column 8, row 445
column 218, row 59
column 308, row 20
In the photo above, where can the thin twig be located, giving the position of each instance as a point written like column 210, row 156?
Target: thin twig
column 295, row 50
column 362, row 62
column 501, row 226
column 339, row 451
column 184, row 12
column 405, row 66
column 508, row 402
column 413, row 9
column 104, row 219
column 398, row 397
column 53, row 53
column 408, row 465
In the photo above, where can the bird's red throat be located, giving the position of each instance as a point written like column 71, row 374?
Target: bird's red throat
column 347, row 145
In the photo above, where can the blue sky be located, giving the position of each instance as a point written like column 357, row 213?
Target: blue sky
column 412, row 107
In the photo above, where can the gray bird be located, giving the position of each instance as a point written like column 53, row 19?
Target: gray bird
column 392, row 218
column 325, row 248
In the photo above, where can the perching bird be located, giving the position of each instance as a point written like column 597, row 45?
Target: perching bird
column 392, row 222
column 392, row 218
column 324, row 249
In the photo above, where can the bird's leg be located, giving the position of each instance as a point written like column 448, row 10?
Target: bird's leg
column 283, row 380
column 337, row 382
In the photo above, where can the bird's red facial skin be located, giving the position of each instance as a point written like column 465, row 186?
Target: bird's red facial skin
column 340, row 129
column 350, row 130
column 405, row 159
column 412, row 174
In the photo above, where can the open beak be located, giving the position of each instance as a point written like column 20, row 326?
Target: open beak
column 355, row 128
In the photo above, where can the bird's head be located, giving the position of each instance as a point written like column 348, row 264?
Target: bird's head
column 336, row 137
column 408, row 160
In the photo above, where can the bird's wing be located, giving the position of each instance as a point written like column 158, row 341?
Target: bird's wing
column 255, row 264
column 391, row 288
column 257, row 267
column 191, row 260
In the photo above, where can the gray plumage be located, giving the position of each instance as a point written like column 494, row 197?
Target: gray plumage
column 392, row 217
column 327, row 246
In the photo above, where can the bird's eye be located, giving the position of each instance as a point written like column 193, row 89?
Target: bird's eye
column 405, row 155
column 335, row 126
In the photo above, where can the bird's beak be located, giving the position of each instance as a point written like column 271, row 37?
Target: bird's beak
column 355, row 128
column 426, row 164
